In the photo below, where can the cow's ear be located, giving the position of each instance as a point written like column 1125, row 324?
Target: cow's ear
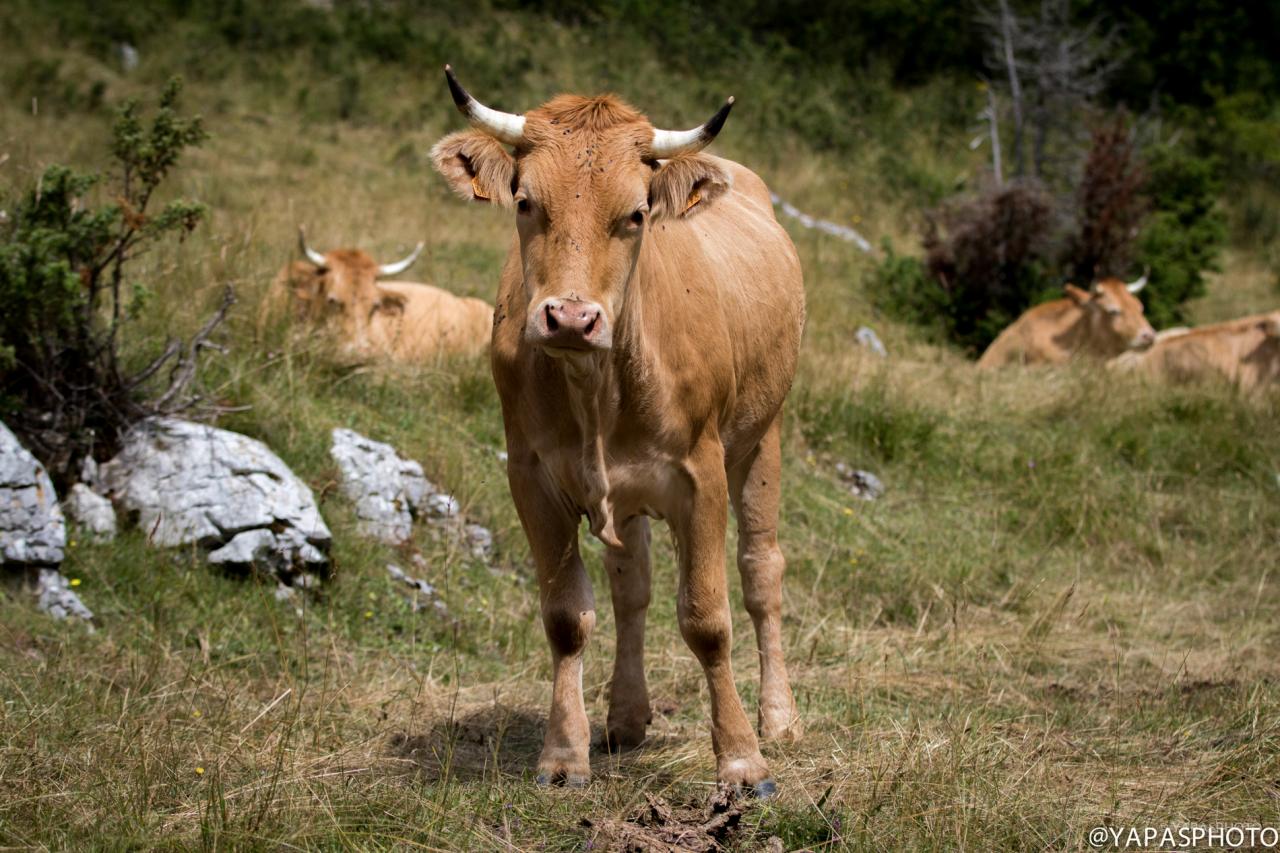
column 476, row 166
column 1078, row 296
column 304, row 280
column 685, row 186
column 391, row 303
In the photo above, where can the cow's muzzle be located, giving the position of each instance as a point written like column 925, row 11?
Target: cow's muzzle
column 569, row 324
column 1143, row 340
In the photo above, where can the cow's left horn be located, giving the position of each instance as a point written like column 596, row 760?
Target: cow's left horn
column 310, row 253
column 504, row 127
column 1135, row 286
column 402, row 264
column 672, row 143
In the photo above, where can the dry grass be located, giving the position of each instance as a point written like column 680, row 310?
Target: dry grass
column 1061, row 614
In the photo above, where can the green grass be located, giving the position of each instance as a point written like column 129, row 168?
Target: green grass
column 1061, row 613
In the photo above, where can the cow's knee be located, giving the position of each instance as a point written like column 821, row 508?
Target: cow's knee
column 568, row 628
column 707, row 632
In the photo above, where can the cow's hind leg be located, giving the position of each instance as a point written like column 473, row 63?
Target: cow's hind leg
column 628, row 570
column 568, row 616
column 755, row 488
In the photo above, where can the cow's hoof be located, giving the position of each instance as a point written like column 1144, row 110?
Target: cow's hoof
column 778, row 721
column 744, row 773
column 623, row 737
column 781, row 729
column 766, row 789
column 568, row 780
column 567, row 770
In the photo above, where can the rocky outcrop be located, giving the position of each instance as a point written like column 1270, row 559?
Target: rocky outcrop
column 55, row 597
column 90, row 513
column 33, row 531
column 861, row 484
column 390, row 492
column 184, row 483
column 387, row 490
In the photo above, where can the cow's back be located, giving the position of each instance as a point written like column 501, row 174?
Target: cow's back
column 732, row 302
column 433, row 322
column 1031, row 338
column 1239, row 351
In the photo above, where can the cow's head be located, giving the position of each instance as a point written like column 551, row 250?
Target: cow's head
column 1114, row 315
column 339, row 288
column 586, row 177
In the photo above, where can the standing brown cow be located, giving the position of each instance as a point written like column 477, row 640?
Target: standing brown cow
column 1099, row 323
column 647, row 330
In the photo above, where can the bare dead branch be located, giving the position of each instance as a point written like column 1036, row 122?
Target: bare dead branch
column 184, row 372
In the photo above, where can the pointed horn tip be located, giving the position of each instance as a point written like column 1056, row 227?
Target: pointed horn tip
column 460, row 96
column 712, row 128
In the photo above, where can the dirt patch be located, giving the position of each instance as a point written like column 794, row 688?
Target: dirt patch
column 659, row 827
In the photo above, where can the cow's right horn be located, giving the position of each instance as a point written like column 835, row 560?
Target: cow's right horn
column 504, row 127
column 1135, row 286
column 672, row 143
column 310, row 253
column 402, row 264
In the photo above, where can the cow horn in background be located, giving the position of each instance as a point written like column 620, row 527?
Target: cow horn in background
column 403, row 264
column 672, row 143
column 504, row 127
column 310, row 253
column 1135, row 286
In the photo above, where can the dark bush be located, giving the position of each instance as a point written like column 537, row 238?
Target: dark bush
column 986, row 259
column 1110, row 205
column 68, row 296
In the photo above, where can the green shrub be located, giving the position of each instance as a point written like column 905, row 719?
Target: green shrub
column 1183, row 236
column 68, row 295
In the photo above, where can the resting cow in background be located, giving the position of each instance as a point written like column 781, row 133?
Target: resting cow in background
column 1101, row 323
column 1245, row 352
column 339, row 291
column 648, row 327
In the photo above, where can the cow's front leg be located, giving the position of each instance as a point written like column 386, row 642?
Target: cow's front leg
column 568, row 616
column 628, row 570
column 703, row 609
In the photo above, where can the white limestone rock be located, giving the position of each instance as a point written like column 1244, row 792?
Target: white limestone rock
column 33, row 531
column 91, row 513
column 184, row 482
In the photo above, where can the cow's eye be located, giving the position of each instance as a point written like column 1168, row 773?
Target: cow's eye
column 637, row 218
column 523, row 206
column 1114, row 312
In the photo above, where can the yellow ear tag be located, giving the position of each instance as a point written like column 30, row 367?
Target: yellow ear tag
column 693, row 199
column 476, row 191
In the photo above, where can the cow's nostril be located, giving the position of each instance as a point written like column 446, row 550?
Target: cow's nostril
column 590, row 327
column 552, row 324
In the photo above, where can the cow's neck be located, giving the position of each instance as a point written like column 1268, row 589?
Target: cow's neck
column 595, row 384
column 1077, row 337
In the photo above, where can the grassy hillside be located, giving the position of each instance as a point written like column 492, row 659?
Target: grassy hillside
column 1060, row 615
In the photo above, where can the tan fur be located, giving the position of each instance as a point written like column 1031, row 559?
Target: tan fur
column 1244, row 352
column 1100, row 324
column 676, row 421
column 427, row 321
column 403, row 321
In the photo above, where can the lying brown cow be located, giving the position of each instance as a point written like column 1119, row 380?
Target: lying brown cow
column 1245, row 352
column 1102, row 323
column 339, row 291
column 648, row 327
